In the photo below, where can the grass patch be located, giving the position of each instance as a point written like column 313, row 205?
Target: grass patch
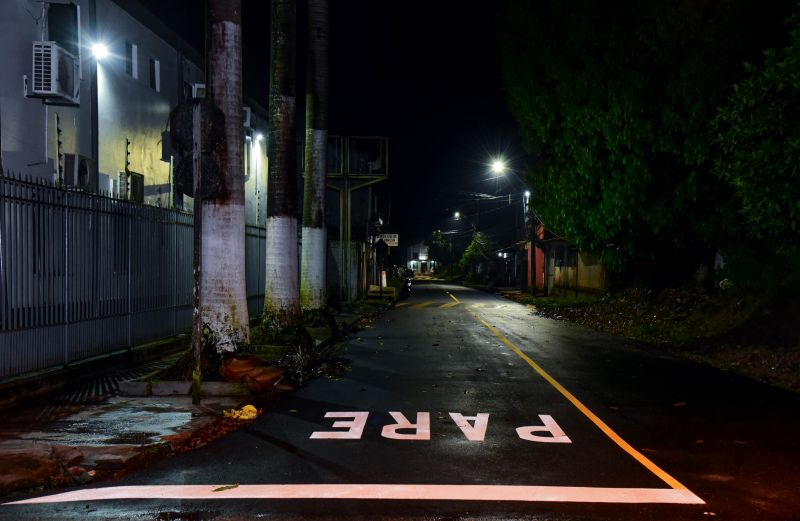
column 557, row 301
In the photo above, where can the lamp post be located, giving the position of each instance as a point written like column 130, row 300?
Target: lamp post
column 459, row 215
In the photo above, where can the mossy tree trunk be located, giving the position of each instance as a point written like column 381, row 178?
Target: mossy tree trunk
column 282, row 297
column 223, row 292
column 312, row 265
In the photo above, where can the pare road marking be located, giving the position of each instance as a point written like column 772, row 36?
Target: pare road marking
column 473, row 427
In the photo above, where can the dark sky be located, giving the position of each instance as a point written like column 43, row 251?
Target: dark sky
column 427, row 74
column 424, row 73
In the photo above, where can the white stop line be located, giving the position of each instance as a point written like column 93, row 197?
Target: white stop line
column 378, row 491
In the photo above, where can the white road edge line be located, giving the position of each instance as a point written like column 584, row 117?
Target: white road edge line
column 378, row 491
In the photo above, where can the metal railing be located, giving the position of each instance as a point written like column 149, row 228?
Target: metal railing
column 83, row 275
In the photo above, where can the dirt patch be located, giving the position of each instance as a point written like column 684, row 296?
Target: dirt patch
column 752, row 333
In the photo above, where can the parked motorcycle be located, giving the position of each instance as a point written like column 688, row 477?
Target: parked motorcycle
column 405, row 287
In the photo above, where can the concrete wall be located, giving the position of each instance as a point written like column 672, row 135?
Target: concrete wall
column 128, row 108
column 591, row 274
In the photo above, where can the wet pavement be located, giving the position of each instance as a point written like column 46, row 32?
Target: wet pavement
column 461, row 405
column 91, row 433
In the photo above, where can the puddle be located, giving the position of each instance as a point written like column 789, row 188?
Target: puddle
column 121, row 421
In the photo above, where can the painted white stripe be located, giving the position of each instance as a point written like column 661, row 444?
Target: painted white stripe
column 377, row 491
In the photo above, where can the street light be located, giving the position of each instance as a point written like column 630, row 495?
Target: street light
column 99, row 50
column 458, row 215
column 498, row 166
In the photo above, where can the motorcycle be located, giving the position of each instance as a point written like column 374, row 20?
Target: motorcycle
column 405, row 287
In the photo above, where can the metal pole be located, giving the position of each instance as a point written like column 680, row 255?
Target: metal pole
column 197, row 161
column 66, row 278
column 346, row 241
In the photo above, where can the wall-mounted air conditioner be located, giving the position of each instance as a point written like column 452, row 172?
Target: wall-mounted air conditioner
column 56, row 73
column 78, row 172
column 198, row 90
column 121, row 186
column 129, row 186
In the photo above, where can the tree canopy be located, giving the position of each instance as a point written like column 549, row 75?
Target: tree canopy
column 615, row 102
column 759, row 137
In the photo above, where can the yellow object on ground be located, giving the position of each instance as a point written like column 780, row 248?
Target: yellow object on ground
column 248, row 412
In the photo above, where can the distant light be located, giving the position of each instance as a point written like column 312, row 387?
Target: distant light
column 100, row 51
column 498, row 166
column 259, row 137
column 458, row 215
column 527, row 193
column 500, row 254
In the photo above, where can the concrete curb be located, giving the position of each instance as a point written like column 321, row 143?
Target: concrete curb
column 33, row 386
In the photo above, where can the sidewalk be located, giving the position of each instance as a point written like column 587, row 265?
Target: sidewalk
column 112, row 422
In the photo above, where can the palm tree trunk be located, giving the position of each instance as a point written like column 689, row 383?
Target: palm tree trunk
column 223, row 293
column 312, row 265
column 282, row 297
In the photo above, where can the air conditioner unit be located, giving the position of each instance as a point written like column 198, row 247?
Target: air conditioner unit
column 247, row 114
column 78, row 172
column 130, row 187
column 121, row 186
column 198, row 90
column 136, row 183
column 55, row 73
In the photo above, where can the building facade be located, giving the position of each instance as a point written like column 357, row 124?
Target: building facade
column 85, row 97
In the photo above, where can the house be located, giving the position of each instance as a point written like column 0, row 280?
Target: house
column 555, row 265
column 418, row 259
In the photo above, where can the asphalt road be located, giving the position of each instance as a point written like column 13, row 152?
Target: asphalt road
column 462, row 405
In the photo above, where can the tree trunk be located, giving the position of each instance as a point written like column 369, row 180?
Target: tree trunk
column 223, row 292
column 282, row 297
column 312, row 265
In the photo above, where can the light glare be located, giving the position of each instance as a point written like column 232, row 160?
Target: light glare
column 498, row 166
column 99, row 50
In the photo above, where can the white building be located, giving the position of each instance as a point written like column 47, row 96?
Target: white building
column 418, row 259
column 99, row 122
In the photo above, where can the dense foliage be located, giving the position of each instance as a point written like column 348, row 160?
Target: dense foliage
column 615, row 102
column 759, row 137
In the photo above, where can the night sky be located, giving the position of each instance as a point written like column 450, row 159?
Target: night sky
column 427, row 75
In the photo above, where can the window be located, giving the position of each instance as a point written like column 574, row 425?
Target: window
column 155, row 75
column 132, row 60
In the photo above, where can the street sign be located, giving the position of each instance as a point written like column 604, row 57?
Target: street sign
column 391, row 239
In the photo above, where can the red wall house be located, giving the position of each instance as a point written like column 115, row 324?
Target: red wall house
column 536, row 254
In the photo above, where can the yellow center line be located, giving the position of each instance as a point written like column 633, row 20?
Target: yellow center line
column 638, row 456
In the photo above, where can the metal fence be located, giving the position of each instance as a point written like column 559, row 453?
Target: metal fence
column 82, row 275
